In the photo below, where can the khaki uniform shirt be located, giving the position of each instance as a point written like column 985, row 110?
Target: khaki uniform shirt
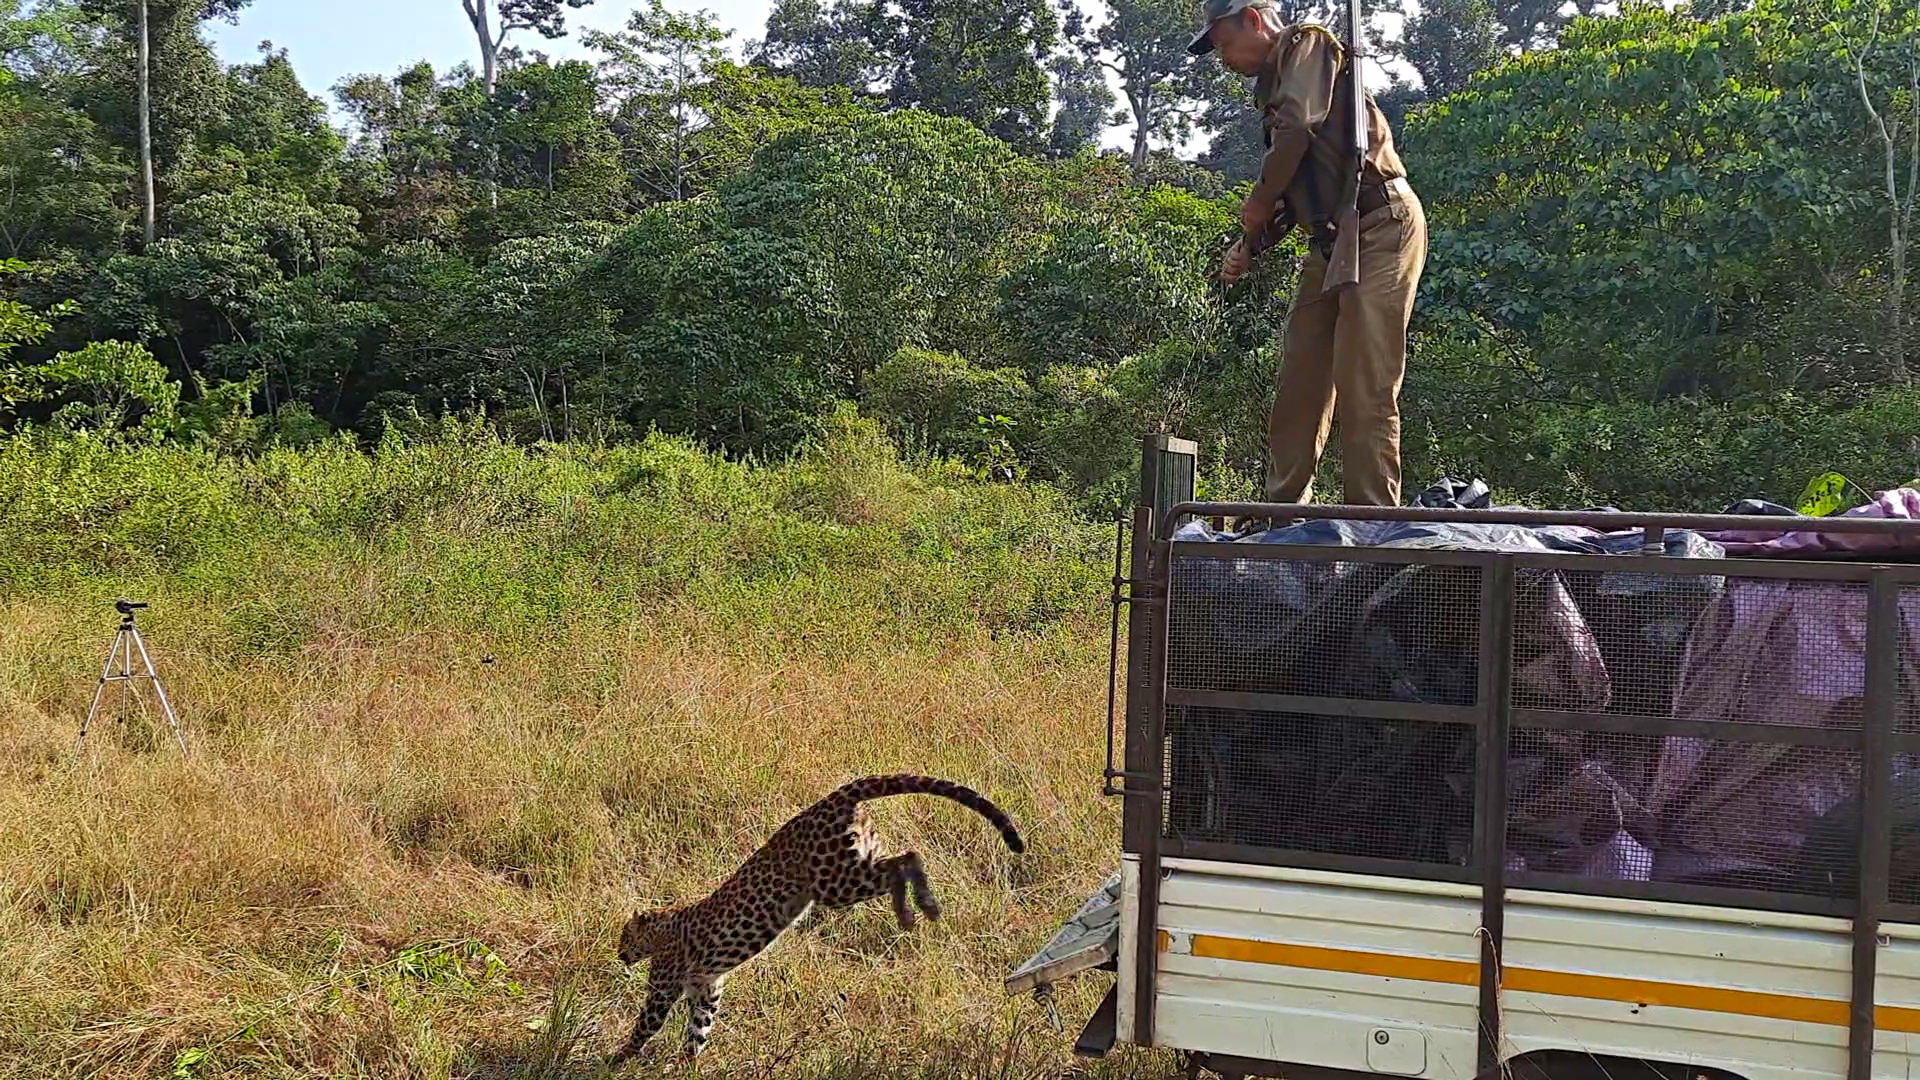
column 1297, row 92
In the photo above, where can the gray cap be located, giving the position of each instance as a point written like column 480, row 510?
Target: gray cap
column 1212, row 11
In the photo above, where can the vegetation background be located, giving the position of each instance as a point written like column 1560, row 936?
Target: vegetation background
column 558, row 476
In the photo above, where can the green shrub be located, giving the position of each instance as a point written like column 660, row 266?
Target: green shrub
column 841, row 547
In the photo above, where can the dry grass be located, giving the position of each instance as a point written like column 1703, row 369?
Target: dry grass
column 387, row 859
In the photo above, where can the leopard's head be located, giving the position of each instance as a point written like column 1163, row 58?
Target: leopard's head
column 641, row 937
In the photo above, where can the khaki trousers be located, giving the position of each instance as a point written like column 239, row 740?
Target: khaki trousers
column 1350, row 348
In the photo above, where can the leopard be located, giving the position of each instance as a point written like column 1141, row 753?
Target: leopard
column 827, row 856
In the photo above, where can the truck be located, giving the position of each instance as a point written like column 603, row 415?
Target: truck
column 1461, row 793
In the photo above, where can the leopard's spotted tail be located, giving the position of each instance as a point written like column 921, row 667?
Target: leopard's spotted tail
column 881, row 787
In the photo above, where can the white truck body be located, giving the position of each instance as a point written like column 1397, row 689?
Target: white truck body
column 1278, row 960
column 1381, row 975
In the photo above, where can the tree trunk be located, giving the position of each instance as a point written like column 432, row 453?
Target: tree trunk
column 1899, row 214
column 1903, row 212
column 1897, row 316
column 680, row 124
column 1140, row 100
column 489, row 78
column 489, row 45
column 1897, row 283
column 149, row 212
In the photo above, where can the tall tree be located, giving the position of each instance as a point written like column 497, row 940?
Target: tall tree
column 39, row 42
column 657, row 72
column 1450, row 37
column 552, row 138
column 1144, row 44
column 1233, row 121
column 173, row 86
column 1545, row 177
column 148, row 209
column 1450, row 41
column 402, row 172
column 281, row 131
column 62, row 184
column 144, row 22
column 979, row 60
column 744, row 108
column 1526, row 25
column 490, row 28
column 825, row 43
column 1897, row 132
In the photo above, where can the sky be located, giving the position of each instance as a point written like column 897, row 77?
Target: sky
column 330, row 40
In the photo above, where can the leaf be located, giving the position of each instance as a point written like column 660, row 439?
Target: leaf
column 1826, row 495
column 185, row 1062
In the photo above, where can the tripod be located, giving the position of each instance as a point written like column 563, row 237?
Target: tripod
column 124, row 643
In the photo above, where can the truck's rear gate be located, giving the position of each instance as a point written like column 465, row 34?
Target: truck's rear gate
column 1429, row 808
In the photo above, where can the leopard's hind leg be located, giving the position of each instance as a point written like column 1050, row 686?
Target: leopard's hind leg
column 913, row 874
column 893, row 877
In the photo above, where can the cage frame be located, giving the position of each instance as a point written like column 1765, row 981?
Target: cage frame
column 1147, row 587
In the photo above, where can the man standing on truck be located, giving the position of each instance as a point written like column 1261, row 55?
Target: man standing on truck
column 1348, row 342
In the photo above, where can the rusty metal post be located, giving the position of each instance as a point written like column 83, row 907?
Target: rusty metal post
column 1167, row 468
column 1152, row 806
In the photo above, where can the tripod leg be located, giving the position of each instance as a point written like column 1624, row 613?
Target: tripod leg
column 161, row 691
column 100, row 691
column 129, row 697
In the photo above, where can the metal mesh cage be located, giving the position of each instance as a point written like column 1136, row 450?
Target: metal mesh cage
column 1331, row 705
column 1903, row 878
column 1592, row 641
column 1606, row 806
column 1698, row 647
column 1906, row 709
column 1779, row 652
column 1364, row 631
column 1331, row 785
column 1348, row 630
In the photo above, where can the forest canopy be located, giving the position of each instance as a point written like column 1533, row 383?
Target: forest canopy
column 1668, row 269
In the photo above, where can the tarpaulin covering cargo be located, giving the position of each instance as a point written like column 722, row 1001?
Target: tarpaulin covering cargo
column 1692, row 646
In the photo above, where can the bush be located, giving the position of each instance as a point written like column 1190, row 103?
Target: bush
column 932, row 402
column 851, row 474
column 1472, row 410
column 463, row 529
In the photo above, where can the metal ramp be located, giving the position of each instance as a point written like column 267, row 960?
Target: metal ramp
column 1087, row 941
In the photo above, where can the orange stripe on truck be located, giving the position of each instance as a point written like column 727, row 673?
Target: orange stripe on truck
column 1642, row 992
column 1319, row 958
column 1718, row 999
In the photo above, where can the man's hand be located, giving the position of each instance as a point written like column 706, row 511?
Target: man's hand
column 1255, row 215
column 1234, row 262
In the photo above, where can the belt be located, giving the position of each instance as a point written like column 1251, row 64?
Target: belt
column 1374, row 196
